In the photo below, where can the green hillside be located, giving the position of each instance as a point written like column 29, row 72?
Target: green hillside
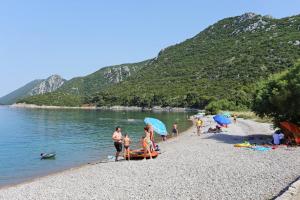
column 36, row 87
column 100, row 79
column 19, row 93
column 224, row 61
column 221, row 62
column 55, row 99
column 78, row 90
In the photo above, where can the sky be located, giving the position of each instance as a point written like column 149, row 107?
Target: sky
column 75, row 37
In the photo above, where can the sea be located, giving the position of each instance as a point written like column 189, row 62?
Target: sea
column 77, row 137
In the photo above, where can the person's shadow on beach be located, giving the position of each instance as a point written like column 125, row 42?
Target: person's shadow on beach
column 233, row 139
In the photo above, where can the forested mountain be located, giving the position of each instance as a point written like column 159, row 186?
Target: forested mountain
column 35, row 87
column 50, row 84
column 223, row 62
column 100, row 79
column 19, row 93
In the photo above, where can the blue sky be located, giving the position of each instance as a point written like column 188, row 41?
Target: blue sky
column 74, row 38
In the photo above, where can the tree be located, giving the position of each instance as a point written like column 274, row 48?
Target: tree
column 215, row 106
column 279, row 97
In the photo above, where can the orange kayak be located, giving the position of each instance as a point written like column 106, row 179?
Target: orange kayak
column 139, row 154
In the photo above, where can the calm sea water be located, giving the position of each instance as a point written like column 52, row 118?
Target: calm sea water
column 77, row 136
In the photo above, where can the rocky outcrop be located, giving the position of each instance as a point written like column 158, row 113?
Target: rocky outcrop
column 35, row 87
column 49, row 85
column 246, row 17
column 251, row 22
column 119, row 73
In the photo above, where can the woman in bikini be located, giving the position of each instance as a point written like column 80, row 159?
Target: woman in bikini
column 151, row 131
column 147, row 143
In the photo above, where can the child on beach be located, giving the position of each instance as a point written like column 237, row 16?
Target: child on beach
column 234, row 118
column 199, row 124
column 175, row 130
column 127, row 142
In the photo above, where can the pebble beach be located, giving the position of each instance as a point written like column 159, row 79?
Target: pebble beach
column 189, row 167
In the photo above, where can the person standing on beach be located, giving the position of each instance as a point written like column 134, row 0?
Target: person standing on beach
column 234, row 118
column 117, row 138
column 151, row 131
column 147, row 143
column 199, row 125
column 175, row 130
column 127, row 143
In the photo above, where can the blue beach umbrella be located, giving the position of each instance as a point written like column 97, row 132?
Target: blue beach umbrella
column 158, row 126
column 222, row 120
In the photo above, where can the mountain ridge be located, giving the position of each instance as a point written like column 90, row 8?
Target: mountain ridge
column 101, row 78
column 36, row 87
column 223, row 61
column 50, row 84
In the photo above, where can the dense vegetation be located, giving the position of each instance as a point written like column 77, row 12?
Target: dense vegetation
column 214, row 65
column 54, row 99
column 279, row 97
column 218, row 68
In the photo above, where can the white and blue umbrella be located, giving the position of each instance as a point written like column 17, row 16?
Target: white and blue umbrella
column 158, row 126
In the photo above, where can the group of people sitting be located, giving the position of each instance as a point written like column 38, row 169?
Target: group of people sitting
column 200, row 125
column 278, row 136
column 217, row 129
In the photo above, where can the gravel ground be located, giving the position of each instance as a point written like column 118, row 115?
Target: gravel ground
column 190, row 167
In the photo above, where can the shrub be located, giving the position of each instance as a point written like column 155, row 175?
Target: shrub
column 279, row 97
column 215, row 106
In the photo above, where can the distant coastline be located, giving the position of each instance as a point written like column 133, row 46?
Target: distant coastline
column 112, row 108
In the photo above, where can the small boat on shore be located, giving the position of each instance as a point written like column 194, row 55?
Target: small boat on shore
column 138, row 154
column 47, row 156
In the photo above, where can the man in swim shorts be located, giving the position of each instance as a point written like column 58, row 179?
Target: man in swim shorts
column 117, row 138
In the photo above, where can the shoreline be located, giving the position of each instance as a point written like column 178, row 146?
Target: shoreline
column 245, row 174
column 111, row 108
column 36, row 178
column 94, row 162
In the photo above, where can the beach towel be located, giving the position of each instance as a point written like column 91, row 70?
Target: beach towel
column 260, row 148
